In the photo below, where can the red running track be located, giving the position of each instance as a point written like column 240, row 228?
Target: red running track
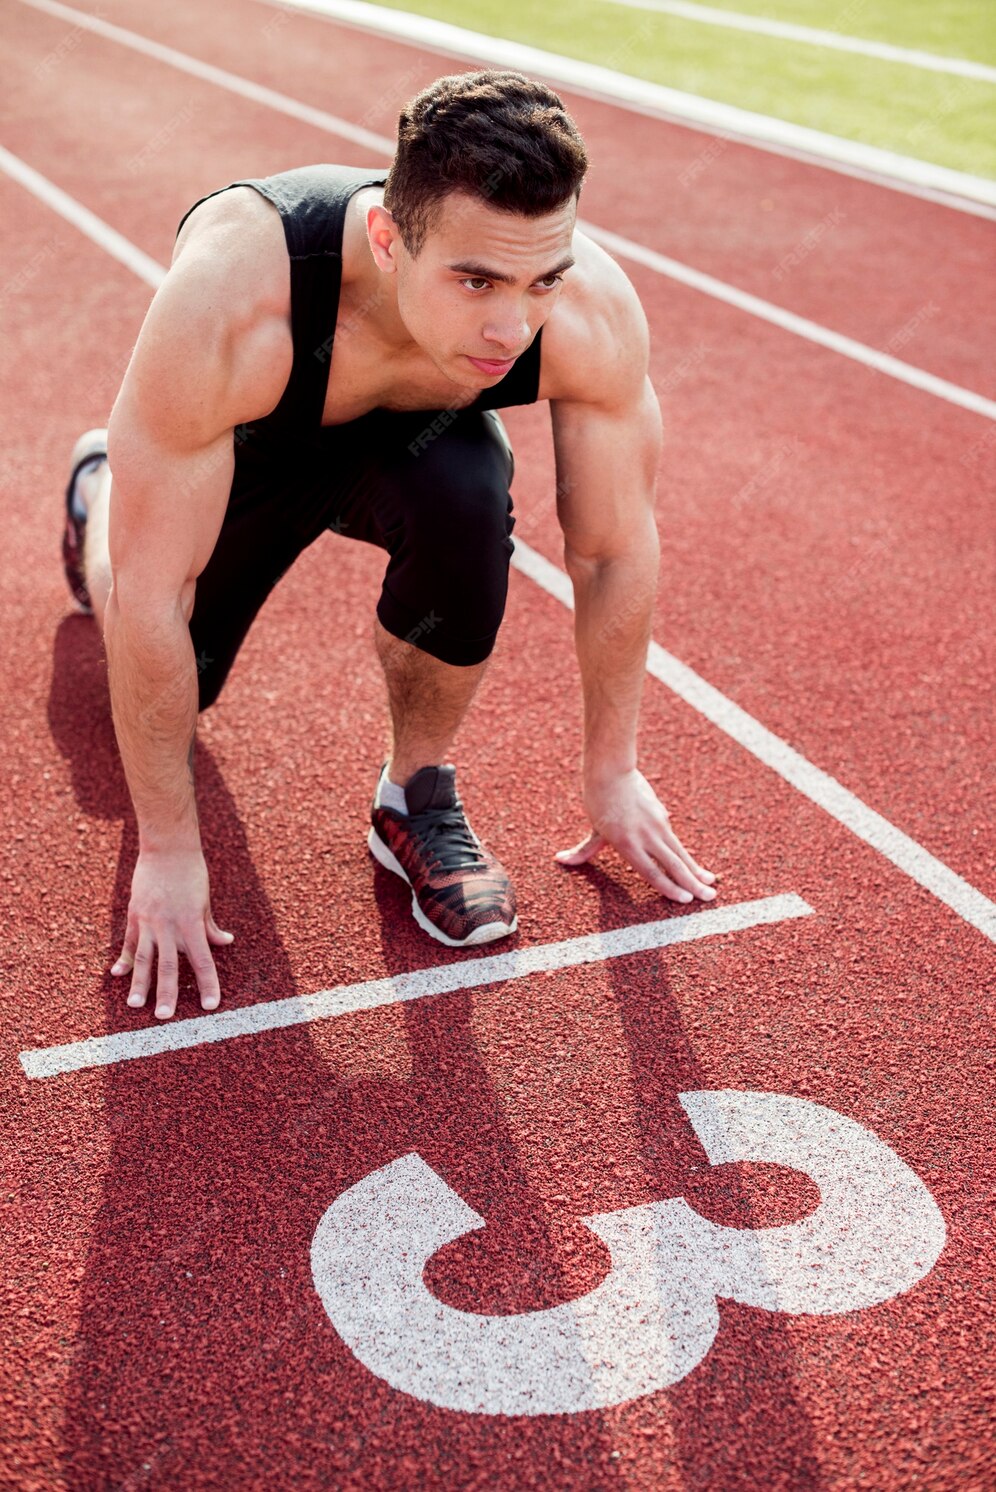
column 165, row 1329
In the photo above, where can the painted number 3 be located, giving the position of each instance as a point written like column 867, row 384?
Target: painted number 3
column 875, row 1233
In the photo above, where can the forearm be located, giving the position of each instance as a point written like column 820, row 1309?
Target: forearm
column 613, row 608
column 152, row 675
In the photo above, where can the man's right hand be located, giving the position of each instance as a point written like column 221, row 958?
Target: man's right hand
column 169, row 914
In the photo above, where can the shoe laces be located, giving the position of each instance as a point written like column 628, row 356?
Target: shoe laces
column 445, row 834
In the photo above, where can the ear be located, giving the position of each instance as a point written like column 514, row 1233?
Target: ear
column 384, row 238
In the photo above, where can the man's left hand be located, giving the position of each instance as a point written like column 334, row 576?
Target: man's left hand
column 626, row 812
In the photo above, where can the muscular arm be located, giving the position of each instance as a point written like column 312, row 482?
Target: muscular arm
column 606, row 464
column 204, row 362
column 607, row 442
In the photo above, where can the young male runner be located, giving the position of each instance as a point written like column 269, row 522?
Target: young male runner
column 328, row 351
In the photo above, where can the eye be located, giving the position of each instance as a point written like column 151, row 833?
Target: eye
column 550, row 282
column 475, row 282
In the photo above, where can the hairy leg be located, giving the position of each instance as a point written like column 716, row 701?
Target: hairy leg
column 428, row 700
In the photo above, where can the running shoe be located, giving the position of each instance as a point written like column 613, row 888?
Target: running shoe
column 461, row 895
column 88, row 452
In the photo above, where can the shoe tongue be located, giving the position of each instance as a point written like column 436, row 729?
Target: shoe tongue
column 431, row 787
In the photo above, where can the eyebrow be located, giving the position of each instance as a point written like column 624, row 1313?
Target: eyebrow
column 481, row 271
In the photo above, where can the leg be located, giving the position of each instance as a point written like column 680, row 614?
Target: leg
column 428, row 699
column 444, row 514
column 445, row 517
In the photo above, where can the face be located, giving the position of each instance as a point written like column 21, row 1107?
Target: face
column 481, row 286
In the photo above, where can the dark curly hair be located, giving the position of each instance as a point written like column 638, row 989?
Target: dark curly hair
column 494, row 134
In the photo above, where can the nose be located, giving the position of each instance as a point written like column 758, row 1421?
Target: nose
column 508, row 339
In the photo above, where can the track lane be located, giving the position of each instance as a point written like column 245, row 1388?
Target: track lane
column 792, row 233
column 871, row 541
column 176, row 1298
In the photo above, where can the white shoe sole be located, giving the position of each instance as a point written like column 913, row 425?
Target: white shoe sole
column 490, row 931
column 90, row 443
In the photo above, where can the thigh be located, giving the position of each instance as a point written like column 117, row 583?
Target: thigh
column 434, row 493
column 256, row 545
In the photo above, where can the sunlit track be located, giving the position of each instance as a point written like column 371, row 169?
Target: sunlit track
column 751, row 305
column 950, row 188
column 420, row 984
column 650, row 1198
column 902, row 851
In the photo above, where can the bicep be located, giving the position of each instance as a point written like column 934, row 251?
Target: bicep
column 170, row 445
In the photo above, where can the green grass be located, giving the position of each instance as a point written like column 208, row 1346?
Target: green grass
column 949, row 28
column 950, row 121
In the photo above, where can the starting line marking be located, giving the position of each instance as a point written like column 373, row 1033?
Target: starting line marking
column 347, row 999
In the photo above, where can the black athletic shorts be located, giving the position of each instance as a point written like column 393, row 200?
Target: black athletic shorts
column 430, row 488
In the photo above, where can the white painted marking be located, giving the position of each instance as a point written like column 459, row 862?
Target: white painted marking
column 884, row 51
column 127, row 253
column 876, row 1232
column 799, row 326
column 903, row 173
column 101, row 233
column 439, row 979
column 904, row 852
column 218, row 76
column 829, row 794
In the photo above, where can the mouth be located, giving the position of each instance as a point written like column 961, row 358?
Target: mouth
column 493, row 367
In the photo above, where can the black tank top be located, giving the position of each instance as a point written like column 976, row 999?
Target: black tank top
column 312, row 202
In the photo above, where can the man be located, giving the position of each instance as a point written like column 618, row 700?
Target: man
column 358, row 393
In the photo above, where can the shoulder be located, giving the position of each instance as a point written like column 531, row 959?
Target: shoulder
column 223, row 310
column 596, row 342
column 235, row 239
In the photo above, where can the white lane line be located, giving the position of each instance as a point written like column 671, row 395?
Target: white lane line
column 902, row 173
column 101, row 233
column 742, row 300
column 829, row 794
column 347, row 999
column 904, row 852
column 208, row 73
column 708, row 15
column 800, row 326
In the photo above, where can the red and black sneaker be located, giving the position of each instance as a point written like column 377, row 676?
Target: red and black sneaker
column 461, row 895
column 88, row 451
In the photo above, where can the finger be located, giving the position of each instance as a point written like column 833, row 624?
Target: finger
column 678, row 851
column 168, row 976
column 672, row 838
column 200, row 960
column 215, row 933
column 651, row 871
column 678, row 871
column 581, row 853
column 127, row 956
column 142, row 971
